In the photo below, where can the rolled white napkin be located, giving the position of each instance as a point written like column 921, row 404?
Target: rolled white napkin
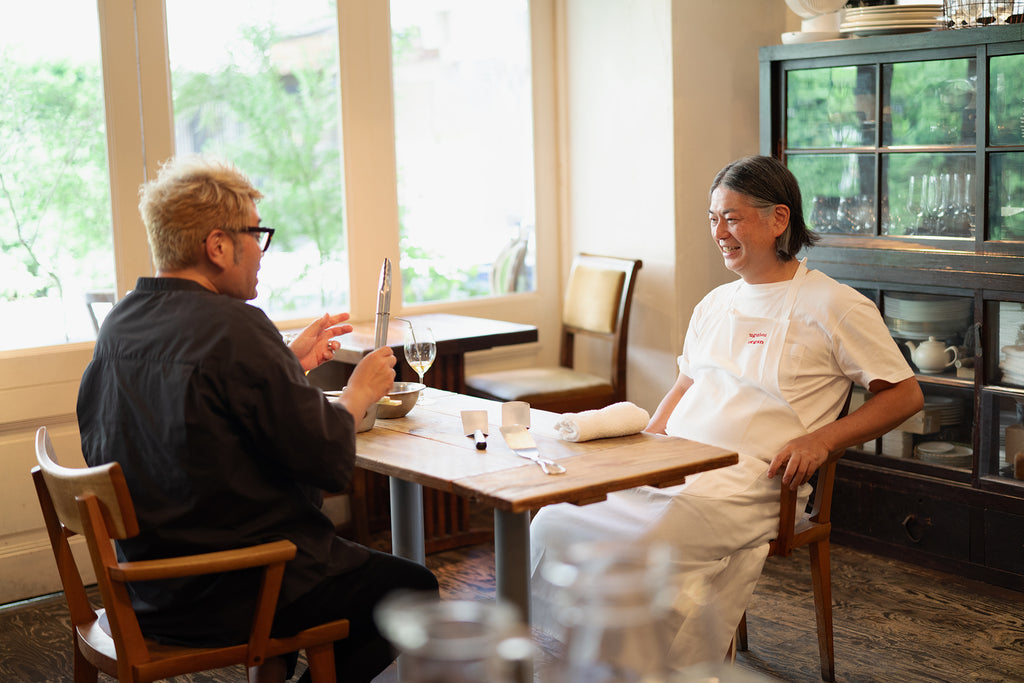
column 618, row 419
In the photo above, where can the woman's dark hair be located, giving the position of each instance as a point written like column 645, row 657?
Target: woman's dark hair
column 767, row 182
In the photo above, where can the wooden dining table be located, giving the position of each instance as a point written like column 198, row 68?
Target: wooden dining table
column 428, row 448
column 448, row 515
column 455, row 336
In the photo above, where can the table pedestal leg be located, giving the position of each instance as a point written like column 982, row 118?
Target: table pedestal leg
column 406, row 532
column 407, row 520
column 512, row 569
column 512, row 559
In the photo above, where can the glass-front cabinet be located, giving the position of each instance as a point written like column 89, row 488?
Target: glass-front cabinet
column 910, row 154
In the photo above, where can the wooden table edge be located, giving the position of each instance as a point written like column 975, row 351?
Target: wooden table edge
column 669, row 476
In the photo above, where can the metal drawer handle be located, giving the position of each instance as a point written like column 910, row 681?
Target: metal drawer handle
column 916, row 533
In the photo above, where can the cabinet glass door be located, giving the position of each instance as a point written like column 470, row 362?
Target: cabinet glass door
column 929, row 103
column 1006, row 196
column 1010, row 345
column 1006, row 100
column 1006, row 459
column 830, row 107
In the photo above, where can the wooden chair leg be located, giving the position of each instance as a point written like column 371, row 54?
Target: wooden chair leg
column 741, row 634
column 821, row 578
column 84, row 671
column 321, row 663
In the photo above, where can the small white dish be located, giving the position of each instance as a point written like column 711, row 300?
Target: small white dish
column 794, row 37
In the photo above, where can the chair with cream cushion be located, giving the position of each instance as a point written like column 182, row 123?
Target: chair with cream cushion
column 95, row 502
column 597, row 303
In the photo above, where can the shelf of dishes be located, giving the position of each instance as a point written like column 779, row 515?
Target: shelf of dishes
column 941, row 434
column 938, row 335
column 938, row 434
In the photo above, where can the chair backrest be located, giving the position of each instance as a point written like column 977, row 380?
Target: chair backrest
column 70, row 578
column 508, row 266
column 816, row 525
column 99, row 303
column 597, row 303
column 93, row 502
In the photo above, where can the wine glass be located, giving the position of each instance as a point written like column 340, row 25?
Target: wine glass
column 420, row 351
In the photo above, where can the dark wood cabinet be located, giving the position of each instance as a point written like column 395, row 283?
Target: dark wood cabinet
column 910, row 154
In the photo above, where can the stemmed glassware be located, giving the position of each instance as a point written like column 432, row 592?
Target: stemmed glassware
column 420, row 351
column 915, row 199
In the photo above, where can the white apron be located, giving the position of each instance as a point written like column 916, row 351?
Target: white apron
column 720, row 522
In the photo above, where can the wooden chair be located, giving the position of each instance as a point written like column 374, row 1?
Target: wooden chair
column 812, row 529
column 507, row 270
column 597, row 303
column 95, row 502
column 99, row 304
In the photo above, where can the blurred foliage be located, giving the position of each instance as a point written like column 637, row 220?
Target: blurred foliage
column 54, row 187
column 283, row 129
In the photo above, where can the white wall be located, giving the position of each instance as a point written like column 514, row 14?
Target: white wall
column 659, row 95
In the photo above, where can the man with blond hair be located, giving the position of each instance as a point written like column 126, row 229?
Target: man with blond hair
column 222, row 440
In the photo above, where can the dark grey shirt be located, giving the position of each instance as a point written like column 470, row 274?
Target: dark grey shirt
column 223, row 443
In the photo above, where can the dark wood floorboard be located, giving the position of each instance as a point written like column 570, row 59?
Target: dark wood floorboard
column 893, row 622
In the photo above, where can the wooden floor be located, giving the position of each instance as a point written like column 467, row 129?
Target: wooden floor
column 893, row 622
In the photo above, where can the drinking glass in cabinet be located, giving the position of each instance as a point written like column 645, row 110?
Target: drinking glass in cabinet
column 1006, row 196
column 929, row 195
column 823, row 213
column 856, row 215
column 838, row 191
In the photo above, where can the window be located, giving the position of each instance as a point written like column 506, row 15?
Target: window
column 257, row 83
column 55, row 222
column 464, row 145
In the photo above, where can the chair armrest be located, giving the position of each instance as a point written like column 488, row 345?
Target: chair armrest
column 206, row 563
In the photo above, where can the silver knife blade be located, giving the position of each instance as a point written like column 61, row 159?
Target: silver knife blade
column 523, row 445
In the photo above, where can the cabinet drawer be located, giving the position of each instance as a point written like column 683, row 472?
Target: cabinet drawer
column 1004, row 541
column 921, row 522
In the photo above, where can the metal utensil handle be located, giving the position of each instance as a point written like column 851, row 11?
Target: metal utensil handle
column 380, row 332
column 548, row 466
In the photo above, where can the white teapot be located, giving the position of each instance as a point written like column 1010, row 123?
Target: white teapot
column 931, row 357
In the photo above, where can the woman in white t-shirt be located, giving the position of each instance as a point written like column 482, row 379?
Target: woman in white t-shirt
column 766, row 365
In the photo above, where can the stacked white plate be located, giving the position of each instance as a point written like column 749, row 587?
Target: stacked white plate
column 949, row 410
column 919, row 316
column 944, row 453
column 885, row 19
column 1012, row 365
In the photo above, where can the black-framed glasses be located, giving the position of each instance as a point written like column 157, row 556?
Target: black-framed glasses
column 261, row 234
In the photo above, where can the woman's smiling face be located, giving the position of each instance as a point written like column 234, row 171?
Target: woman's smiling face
column 746, row 235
